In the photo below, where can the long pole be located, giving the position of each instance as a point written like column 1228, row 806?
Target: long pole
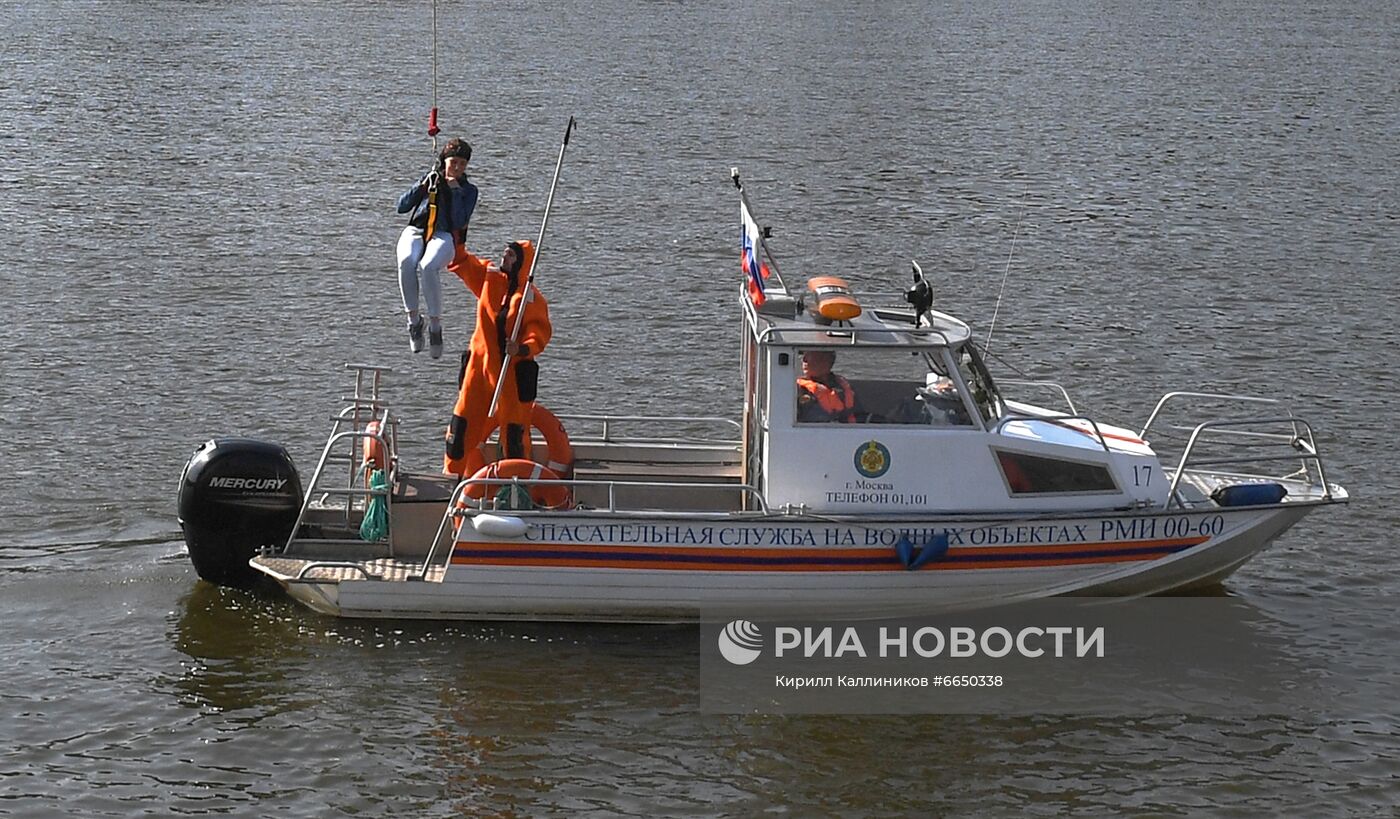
column 530, row 278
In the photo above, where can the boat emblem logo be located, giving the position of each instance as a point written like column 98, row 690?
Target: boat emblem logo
column 741, row 642
column 872, row 459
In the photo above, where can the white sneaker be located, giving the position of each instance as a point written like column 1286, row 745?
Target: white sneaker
column 415, row 336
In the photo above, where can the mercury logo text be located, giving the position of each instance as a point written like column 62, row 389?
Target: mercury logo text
column 258, row 484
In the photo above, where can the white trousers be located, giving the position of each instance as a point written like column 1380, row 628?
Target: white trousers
column 426, row 264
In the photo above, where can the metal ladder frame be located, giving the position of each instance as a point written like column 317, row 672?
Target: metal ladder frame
column 365, row 406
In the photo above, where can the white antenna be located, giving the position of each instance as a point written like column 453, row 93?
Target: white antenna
column 1017, row 232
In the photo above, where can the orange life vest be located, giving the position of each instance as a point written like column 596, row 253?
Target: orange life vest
column 838, row 403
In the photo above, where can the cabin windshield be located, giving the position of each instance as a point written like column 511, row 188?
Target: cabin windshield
column 887, row 386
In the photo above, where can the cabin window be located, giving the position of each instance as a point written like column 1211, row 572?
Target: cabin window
column 1039, row 475
column 887, row 386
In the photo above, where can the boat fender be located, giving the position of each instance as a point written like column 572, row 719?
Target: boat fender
column 904, row 550
column 1250, row 494
column 499, row 525
column 832, row 299
column 932, row 550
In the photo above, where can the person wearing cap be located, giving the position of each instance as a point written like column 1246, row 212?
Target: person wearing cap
column 500, row 292
column 822, row 395
column 440, row 207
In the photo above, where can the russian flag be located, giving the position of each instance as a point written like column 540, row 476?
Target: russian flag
column 755, row 272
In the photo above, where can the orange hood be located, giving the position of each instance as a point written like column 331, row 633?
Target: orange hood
column 527, row 256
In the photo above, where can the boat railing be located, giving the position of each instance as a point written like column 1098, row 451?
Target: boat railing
column 460, row 505
column 1298, row 444
column 606, row 426
column 311, row 566
column 363, row 407
column 351, row 427
column 1181, row 397
column 387, row 437
column 351, row 491
column 1234, row 440
column 878, row 337
column 1055, row 420
column 1047, row 385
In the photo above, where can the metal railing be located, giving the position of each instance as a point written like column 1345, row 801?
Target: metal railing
column 1300, row 439
column 1064, row 393
column 459, row 506
column 608, row 422
column 844, row 336
column 364, row 407
column 349, row 492
column 1212, row 396
column 331, row 564
column 1240, row 433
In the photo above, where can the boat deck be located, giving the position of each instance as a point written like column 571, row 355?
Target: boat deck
column 1196, row 487
column 292, row 569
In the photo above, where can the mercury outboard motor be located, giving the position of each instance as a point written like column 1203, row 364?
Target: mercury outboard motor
column 236, row 495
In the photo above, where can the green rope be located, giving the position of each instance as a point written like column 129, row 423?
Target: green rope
column 513, row 497
column 376, row 523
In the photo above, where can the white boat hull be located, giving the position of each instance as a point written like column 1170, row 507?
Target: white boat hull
column 600, row 569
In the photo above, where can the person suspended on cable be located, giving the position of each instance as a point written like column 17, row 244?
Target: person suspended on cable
column 440, row 207
column 501, row 294
column 822, row 395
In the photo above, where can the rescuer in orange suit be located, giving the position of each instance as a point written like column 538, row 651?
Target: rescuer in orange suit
column 499, row 291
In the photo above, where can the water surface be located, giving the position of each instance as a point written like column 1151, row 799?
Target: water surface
column 197, row 201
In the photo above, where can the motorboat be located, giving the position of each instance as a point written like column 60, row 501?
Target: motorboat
column 939, row 485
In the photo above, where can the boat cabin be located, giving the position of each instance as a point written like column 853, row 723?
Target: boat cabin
column 910, row 420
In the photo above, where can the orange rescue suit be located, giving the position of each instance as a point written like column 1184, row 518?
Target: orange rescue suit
column 498, row 302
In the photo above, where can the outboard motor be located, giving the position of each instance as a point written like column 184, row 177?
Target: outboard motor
column 236, row 495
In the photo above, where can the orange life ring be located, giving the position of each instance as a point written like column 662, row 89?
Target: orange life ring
column 551, row 496
column 561, row 451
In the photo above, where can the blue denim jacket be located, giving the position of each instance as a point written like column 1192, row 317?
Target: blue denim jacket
column 453, row 218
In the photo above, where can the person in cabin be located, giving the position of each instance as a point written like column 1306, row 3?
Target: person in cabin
column 822, row 395
column 500, row 296
column 942, row 403
column 441, row 205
